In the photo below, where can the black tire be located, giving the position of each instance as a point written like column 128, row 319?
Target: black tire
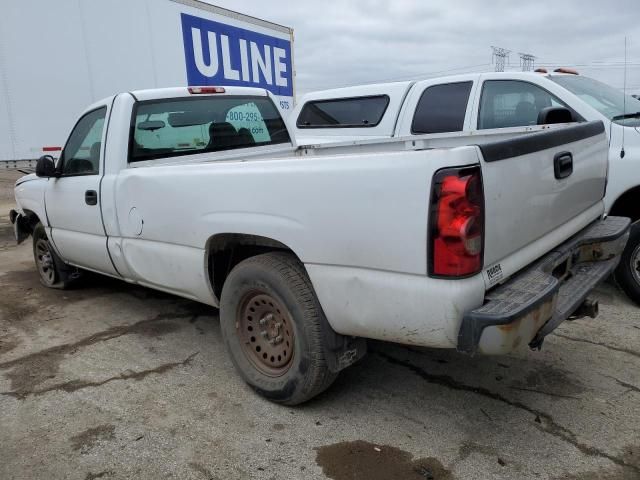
column 53, row 272
column 627, row 274
column 281, row 277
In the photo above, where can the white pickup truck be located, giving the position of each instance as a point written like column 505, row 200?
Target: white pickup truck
column 201, row 192
column 488, row 107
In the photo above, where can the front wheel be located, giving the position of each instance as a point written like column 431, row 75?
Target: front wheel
column 272, row 324
column 53, row 272
column 627, row 274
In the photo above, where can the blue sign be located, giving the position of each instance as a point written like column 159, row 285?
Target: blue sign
column 219, row 54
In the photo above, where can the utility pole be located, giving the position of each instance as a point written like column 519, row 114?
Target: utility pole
column 500, row 57
column 527, row 61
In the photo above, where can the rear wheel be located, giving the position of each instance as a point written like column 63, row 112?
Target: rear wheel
column 628, row 272
column 266, row 333
column 272, row 325
column 53, row 272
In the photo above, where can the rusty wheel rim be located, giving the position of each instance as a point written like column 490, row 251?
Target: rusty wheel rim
column 265, row 330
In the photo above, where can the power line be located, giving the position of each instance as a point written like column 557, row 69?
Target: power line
column 587, row 65
column 433, row 73
column 422, row 75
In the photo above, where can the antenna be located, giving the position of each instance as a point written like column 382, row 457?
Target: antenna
column 527, row 61
column 624, row 100
column 500, row 57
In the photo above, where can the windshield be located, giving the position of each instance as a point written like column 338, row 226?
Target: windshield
column 607, row 100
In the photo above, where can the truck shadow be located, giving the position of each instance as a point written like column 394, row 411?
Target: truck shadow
column 388, row 367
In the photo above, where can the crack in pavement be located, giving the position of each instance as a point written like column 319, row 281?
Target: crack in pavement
column 542, row 392
column 551, row 426
column 94, row 476
column 75, row 385
column 599, row 344
column 108, row 334
column 626, row 385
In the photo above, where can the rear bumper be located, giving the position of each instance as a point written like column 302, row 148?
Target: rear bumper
column 535, row 301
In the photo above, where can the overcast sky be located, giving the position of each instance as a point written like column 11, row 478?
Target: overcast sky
column 348, row 42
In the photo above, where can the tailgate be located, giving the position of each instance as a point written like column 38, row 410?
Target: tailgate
column 540, row 189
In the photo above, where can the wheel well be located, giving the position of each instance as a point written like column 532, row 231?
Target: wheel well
column 627, row 205
column 29, row 221
column 225, row 251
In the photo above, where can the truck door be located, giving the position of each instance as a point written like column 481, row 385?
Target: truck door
column 72, row 201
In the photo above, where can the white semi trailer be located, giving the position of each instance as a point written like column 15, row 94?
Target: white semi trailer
column 57, row 57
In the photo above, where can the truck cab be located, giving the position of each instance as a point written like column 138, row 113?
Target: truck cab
column 490, row 106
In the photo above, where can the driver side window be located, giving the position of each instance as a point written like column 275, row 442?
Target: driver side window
column 513, row 103
column 81, row 155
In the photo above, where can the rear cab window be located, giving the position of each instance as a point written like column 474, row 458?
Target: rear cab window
column 442, row 108
column 354, row 112
column 188, row 126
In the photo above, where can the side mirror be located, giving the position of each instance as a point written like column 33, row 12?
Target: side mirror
column 46, row 167
column 550, row 115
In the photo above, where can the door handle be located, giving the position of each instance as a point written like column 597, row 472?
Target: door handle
column 563, row 165
column 91, row 197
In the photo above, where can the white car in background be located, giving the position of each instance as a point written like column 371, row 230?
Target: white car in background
column 487, row 107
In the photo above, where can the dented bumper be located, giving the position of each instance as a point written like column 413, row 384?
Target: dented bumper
column 534, row 302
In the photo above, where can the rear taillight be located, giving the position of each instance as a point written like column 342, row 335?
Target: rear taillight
column 205, row 90
column 456, row 223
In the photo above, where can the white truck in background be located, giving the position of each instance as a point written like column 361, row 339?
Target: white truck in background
column 57, row 57
column 202, row 192
column 485, row 108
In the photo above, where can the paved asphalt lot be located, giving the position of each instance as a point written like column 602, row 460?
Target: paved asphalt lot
column 114, row 381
